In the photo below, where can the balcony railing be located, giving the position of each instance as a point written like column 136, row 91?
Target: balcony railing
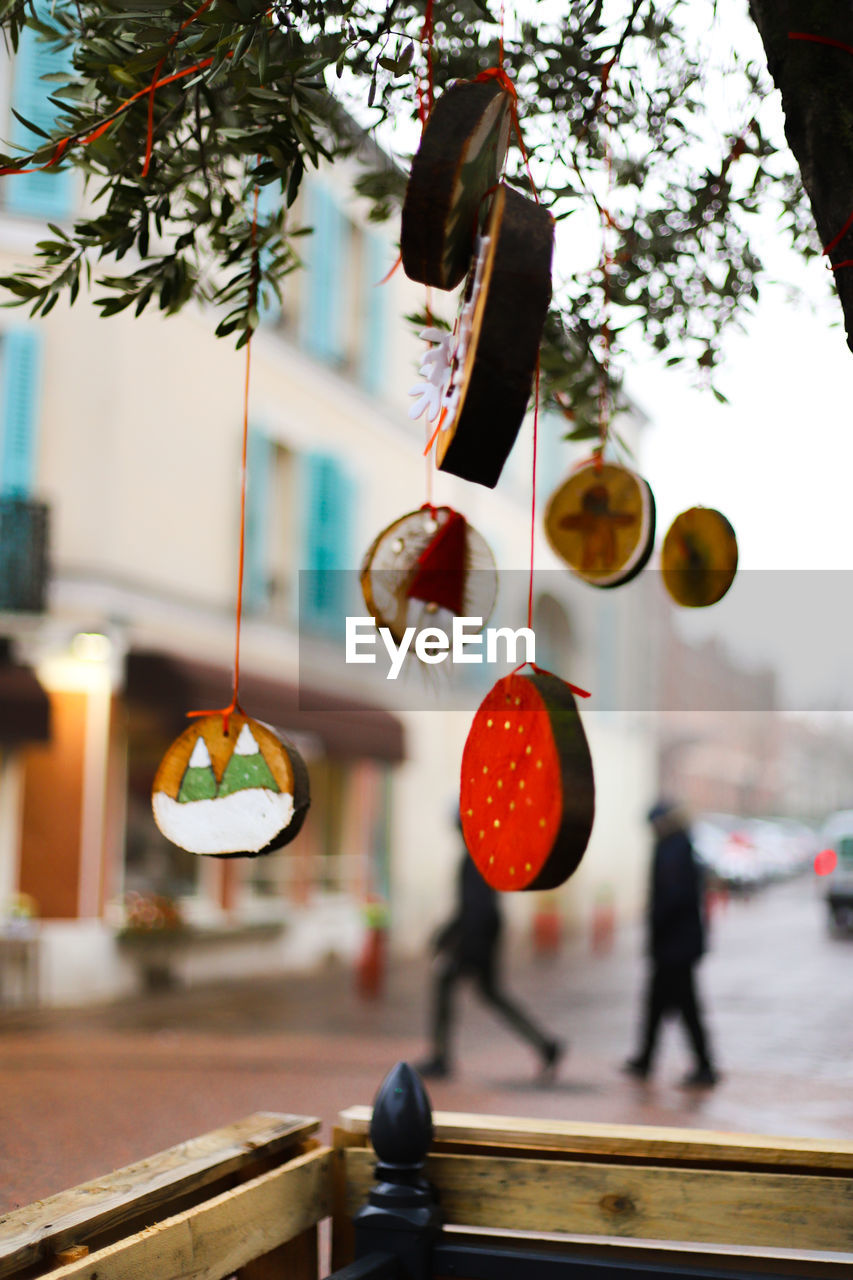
column 23, row 555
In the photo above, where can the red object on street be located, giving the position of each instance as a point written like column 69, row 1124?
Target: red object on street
column 547, row 930
column 370, row 970
column 825, row 862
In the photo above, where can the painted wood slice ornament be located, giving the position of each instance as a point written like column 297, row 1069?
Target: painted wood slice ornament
column 237, row 793
column 493, row 356
column 601, row 521
column 527, row 795
column 459, row 160
column 699, row 557
column 428, row 561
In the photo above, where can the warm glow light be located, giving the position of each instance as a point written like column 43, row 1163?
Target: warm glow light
column 91, row 646
column 825, row 862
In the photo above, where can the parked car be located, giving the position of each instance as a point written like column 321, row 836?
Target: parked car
column 837, row 834
column 745, row 853
column 725, row 847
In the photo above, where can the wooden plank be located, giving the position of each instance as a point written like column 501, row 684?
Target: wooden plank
column 343, row 1232
column 145, row 1189
column 297, row 1259
column 652, row 1203
column 219, row 1237
column 570, row 1137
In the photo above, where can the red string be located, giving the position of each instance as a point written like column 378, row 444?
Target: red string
column 234, row 704
column 426, row 94
column 542, row 671
column 149, row 141
column 63, row 143
column 498, row 73
column 845, row 48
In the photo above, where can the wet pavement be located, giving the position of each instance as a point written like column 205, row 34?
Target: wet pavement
column 85, row 1091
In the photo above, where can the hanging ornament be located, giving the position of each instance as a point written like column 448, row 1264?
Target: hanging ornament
column 459, row 160
column 235, row 791
column 478, row 380
column 527, row 796
column 601, row 521
column 699, row 557
column 428, row 561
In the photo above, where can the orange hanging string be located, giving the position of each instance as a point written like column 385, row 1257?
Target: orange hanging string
column 499, row 74
column 149, row 141
column 234, row 704
column 64, row 143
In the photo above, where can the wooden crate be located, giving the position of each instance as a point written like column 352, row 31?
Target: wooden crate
column 675, row 1195
column 245, row 1200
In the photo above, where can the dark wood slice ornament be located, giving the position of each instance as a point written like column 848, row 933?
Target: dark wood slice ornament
column 699, row 557
column 459, row 160
column 495, row 366
column 601, row 521
column 230, row 794
column 527, row 795
column 428, row 560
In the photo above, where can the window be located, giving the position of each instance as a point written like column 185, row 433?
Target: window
column 20, row 367
column 47, row 194
column 342, row 306
column 326, row 492
column 271, row 528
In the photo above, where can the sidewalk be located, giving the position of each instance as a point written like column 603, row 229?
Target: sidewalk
column 86, row 1091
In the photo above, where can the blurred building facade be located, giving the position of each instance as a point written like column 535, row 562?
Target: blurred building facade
column 120, row 447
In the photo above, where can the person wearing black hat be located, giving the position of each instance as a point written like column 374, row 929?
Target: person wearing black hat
column 676, row 943
column 468, row 946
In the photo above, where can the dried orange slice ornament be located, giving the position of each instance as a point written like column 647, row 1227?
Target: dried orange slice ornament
column 230, row 792
column 428, row 562
column 601, row 521
column 459, row 160
column 699, row 557
column 527, row 795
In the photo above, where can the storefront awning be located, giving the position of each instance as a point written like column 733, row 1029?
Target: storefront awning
column 24, row 706
column 347, row 728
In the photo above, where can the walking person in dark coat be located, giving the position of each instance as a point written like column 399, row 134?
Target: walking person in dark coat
column 468, row 946
column 676, row 943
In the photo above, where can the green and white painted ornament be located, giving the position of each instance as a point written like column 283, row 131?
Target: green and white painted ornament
column 230, row 787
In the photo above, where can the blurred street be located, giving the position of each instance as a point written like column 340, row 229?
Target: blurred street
column 86, row 1091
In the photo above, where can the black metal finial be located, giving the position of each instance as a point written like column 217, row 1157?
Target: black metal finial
column 401, row 1128
column 401, row 1216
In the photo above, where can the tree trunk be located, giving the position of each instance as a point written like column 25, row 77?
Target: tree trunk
column 816, row 83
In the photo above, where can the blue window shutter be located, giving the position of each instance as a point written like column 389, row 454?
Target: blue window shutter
column 327, row 514
column 20, row 403
column 256, row 572
column 322, row 328
column 270, row 201
column 374, row 310
column 48, row 194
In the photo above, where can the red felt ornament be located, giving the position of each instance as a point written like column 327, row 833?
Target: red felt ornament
column 426, row 561
column 440, row 575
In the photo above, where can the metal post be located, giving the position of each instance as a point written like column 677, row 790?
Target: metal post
column 401, row 1216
